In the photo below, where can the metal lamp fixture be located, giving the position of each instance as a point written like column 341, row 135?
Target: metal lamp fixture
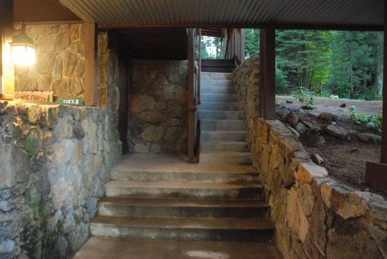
column 23, row 49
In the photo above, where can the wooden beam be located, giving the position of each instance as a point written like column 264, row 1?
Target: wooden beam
column 267, row 72
column 376, row 173
column 91, row 63
column 191, row 97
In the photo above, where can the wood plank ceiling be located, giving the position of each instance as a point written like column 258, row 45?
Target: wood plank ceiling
column 313, row 14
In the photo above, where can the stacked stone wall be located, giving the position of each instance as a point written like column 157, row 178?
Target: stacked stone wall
column 314, row 216
column 158, row 110
column 60, row 60
column 55, row 162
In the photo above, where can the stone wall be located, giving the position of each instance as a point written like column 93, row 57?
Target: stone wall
column 246, row 82
column 60, row 61
column 314, row 216
column 158, row 110
column 56, row 159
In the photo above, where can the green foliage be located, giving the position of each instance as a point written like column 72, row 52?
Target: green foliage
column 304, row 96
column 251, row 42
column 281, row 80
column 371, row 121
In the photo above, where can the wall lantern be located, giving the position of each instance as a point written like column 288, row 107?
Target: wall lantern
column 22, row 49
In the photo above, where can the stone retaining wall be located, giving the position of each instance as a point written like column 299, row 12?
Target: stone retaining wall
column 55, row 161
column 314, row 216
column 158, row 107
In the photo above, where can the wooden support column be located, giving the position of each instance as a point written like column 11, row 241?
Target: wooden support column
column 191, row 97
column 376, row 173
column 267, row 68
column 7, row 79
column 91, row 64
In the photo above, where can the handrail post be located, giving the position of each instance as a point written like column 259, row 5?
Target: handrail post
column 191, row 97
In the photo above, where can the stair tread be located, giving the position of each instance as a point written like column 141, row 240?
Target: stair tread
column 106, row 247
column 185, row 202
column 182, row 184
column 187, row 223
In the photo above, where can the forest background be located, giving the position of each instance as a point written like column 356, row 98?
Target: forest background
column 348, row 64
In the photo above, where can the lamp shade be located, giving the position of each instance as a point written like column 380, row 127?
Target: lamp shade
column 23, row 50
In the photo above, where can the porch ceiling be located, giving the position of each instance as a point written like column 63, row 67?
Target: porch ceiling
column 314, row 14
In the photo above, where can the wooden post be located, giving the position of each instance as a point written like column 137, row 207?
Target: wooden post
column 91, row 64
column 7, row 75
column 376, row 173
column 267, row 68
column 191, row 98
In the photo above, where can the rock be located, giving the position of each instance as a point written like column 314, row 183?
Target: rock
column 308, row 171
column 292, row 119
column 5, row 194
column 306, row 199
column 7, row 246
column 141, row 148
column 369, row 138
column 152, row 134
column 281, row 114
column 327, row 116
column 289, row 101
column 301, row 127
column 78, row 131
column 5, row 206
column 317, row 159
column 294, row 132
column 338, row 132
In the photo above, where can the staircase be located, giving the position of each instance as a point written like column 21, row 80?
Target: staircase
column 222, row 129
column 157, row 206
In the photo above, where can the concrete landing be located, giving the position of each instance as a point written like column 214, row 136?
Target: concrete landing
column 103, row 247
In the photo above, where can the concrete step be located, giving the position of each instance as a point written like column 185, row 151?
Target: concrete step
column 219, row 135
column 229, row 146
column 199, row 208
column 194, row 229
column 241, row 159
column 214, row 76
column 224, row 125
column 246, row 176
column 219, row 115
column 218, row 97
column 105, row 247
column 176, row 189
column 214, row 86
column 223, row 106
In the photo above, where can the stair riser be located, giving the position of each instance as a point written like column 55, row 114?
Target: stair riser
column 187, row 177
column 119, row 231
column 222, row 125
column 119, row 210
column 219, row 115
column 214, row 76
column 242, row 193
column 222, row 106
column 224, row 147
column 218, row 98
column 223, row 136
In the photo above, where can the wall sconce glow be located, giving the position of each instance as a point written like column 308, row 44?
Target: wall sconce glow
column 23, row 50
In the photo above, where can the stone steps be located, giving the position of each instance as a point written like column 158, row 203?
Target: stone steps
column 183, row 189
column 225, row 106
column 213, row 97
column 224, row 177
column 193, row 229
column 222, row 127
column 186, row 208
column 224, row 146
column 218, row 135
column 106, row 247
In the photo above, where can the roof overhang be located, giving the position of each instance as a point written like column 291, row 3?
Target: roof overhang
column 301, row 14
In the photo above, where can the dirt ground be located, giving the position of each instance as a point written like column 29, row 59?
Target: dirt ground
column 344, row 160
